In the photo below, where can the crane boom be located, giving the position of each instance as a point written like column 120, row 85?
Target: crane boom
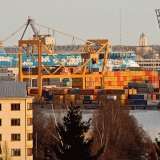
column 32, row 24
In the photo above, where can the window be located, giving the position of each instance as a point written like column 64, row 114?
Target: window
column 15, row 122
column 29, row 151
column 0, row 122
column 15, row 107
column 0, row 107
column 29, row 136
column 15, row 137
column 29, row 121
column 15, row 152
column 0, row 137
column 29, row 106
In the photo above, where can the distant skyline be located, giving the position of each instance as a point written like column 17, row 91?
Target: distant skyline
column 86, row 19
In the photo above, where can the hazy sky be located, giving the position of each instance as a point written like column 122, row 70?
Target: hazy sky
column 87, row 19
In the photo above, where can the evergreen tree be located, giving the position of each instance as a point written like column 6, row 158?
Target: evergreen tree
column 73, row 145
column 157, row 146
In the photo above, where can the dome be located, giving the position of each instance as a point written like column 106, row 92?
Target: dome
column 142, row 35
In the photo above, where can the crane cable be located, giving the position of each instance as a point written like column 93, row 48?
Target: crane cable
column 64, row 33
column 13, row 33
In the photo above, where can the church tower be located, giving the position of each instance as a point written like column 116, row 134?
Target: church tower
column 143, row 40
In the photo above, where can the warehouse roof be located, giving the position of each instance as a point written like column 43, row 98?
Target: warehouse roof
column 12, row 89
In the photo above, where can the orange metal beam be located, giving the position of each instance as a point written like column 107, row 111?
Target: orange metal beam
column 20, row 63
column 91, row 57
column 55, row 57
column 39, row 68
column 63, row 76
column 98, row 41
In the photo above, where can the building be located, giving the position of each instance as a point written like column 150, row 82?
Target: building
column 7, row 75
column 143, row 50
column 149, row 64
column 142, row 40
column 16, row 127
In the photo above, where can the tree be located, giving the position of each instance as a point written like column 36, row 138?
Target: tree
column 5, row 151
column 73, row 144
column 157, row 146
column 44, row 134
column 120, row 133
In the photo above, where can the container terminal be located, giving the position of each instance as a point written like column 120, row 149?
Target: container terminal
column 85, row 75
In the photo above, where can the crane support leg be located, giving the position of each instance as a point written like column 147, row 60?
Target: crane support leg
column 20, row 63
column 39, row 69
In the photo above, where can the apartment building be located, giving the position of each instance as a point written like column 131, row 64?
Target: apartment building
column 16, row 127
column 149, row 64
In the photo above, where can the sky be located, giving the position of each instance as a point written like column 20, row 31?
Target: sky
column 86, row 19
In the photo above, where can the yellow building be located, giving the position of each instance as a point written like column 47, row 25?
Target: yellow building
column 16, row 127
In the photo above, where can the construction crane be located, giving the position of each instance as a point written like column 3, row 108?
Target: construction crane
column 89, row 54
column 30, row 22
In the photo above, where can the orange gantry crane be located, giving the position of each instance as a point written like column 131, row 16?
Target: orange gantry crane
column 37, row 43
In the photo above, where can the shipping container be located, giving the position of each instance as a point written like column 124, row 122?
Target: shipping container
column 34, row 91
column 77, row 79
column 81, row 97
column 127, row 102
column 73, row 91
column 69, row 97
column 136, row 96
column 108, row 91
column 153, row 102
column 149, row 97
column 130, row 91
column 153, row 96
column 87, row 92
column 58, row 97
column 90, row 101
column 156, row 90
column 122, row 91
column 158, row 96
column 132, row 85
column 87, row 97
column 138, row 102
column 96, row 69
column 143, row 90
column 123, row 97
column 134, row 91
column 60, row 91
column 114, row 97
column 142, row 85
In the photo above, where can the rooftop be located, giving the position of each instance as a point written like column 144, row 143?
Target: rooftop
column 13, row 89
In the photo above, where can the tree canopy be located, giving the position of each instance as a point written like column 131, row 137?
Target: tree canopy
column 74, row 143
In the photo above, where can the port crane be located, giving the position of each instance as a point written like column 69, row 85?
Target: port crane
column 90, row 54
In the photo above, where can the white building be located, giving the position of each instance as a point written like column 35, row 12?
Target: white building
column 16, row 127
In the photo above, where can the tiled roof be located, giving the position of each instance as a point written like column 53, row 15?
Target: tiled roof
column 12, row 89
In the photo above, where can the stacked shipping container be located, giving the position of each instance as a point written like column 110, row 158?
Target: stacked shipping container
column 120, row 79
